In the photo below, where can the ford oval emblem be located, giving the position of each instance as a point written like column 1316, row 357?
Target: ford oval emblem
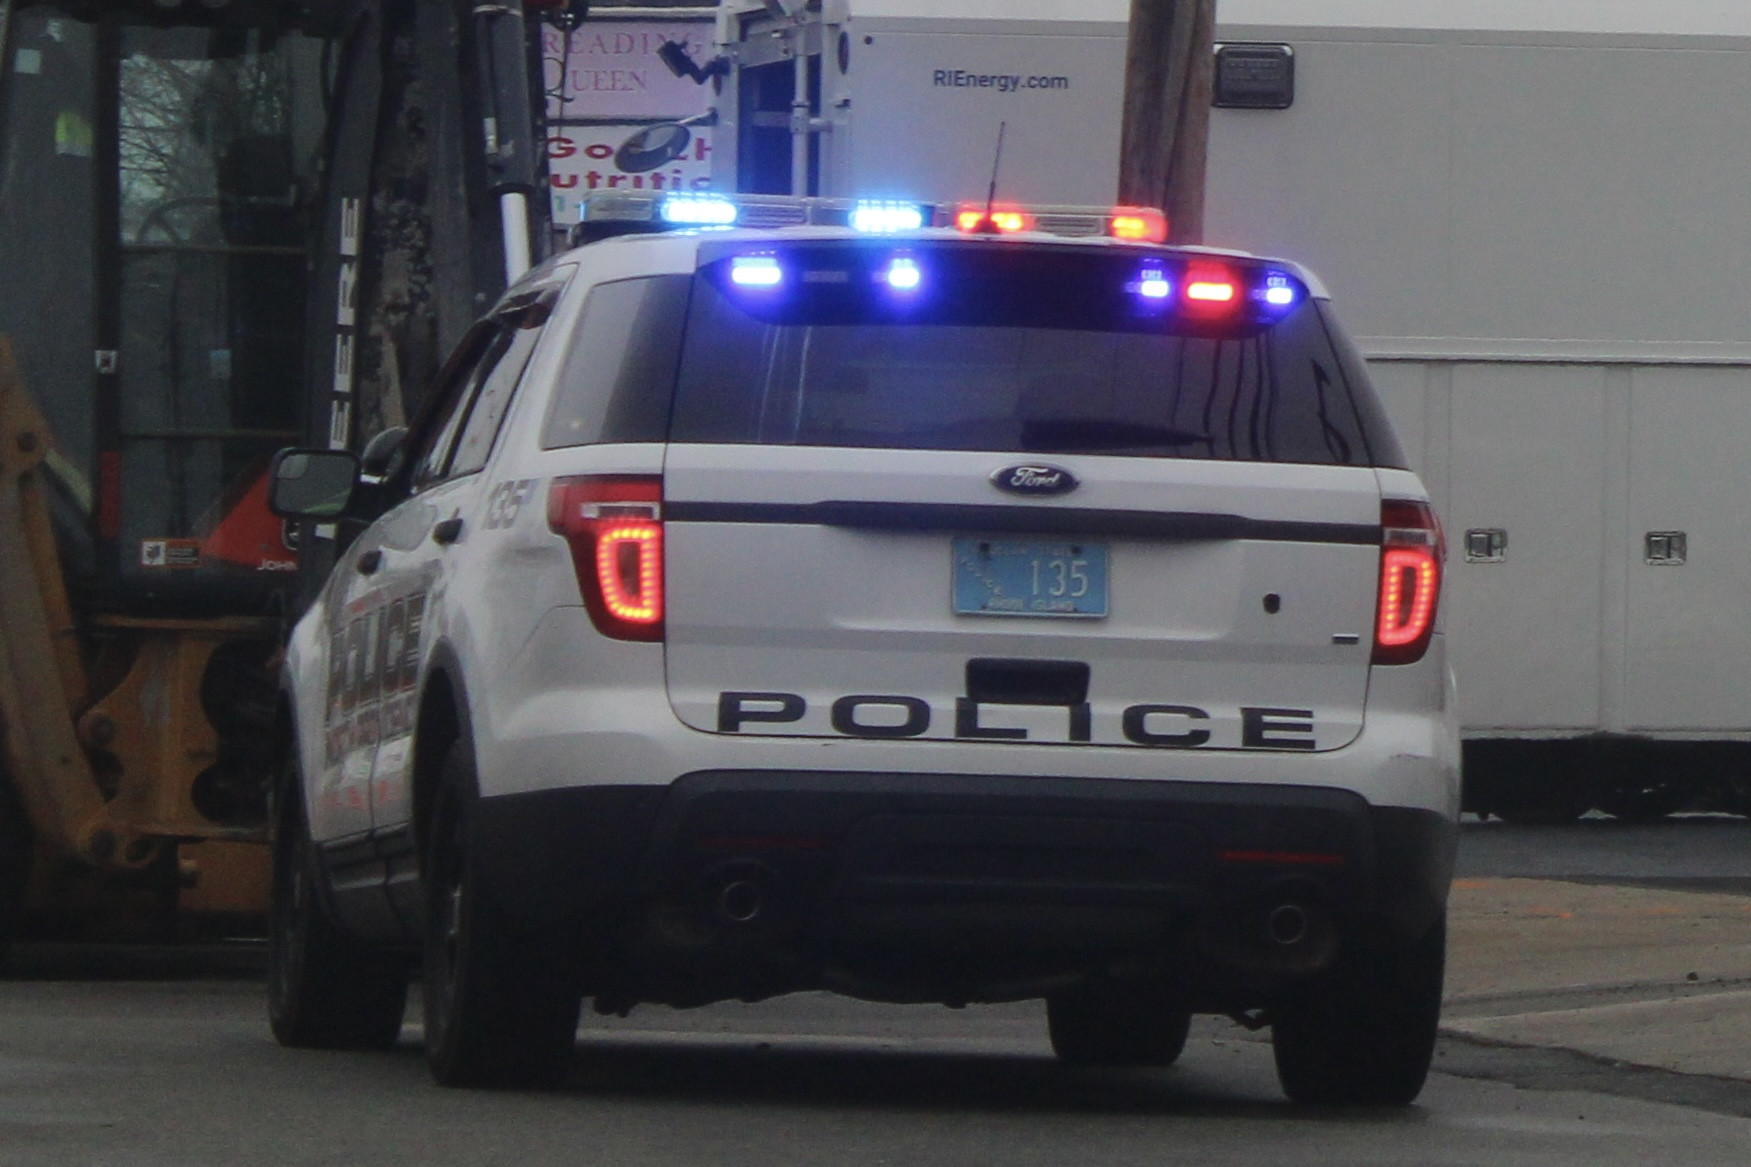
column 1035, row 480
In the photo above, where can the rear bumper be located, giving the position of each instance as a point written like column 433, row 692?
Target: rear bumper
column 853, row 859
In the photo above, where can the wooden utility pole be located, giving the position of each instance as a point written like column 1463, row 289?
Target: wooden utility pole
column 1168, row 75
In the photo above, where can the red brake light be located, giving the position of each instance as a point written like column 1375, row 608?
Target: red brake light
column 1211, row 287
column 1138, row 225
column 1412, row 550
column 614, row 524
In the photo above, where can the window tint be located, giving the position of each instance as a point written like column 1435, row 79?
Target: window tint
column 435, row 434
column 1382, row 438
column 1024, row 350
column 500, row 374
column 619, row 373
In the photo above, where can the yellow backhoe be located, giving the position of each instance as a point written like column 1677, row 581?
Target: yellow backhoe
column 104, row 741
column 226, row 227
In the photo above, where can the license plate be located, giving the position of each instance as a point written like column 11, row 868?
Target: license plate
column 1012, row 577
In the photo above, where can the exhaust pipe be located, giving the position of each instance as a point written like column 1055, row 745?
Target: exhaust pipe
column 740, row 902
column 1287, row 925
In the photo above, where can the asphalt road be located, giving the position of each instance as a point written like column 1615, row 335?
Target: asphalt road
column 155, row 1057
column 155, row 1074
column 1693, row 852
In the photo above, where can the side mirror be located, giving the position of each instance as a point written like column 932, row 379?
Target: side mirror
column 312, row 484
column 382, row 456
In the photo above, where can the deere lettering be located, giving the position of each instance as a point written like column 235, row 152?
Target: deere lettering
column 894, row 715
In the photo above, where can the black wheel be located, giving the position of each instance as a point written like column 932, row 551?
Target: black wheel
column 1646, row 801
column 1553, row 815
column 15, row 860
column 1363, row 1034
column 325, row 990
column 1108, row 1023
column 1735, row 795
column 1529, row 783
column 501, row 1006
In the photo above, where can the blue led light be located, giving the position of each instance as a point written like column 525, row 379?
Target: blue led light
column 756, row 271
column 903, row 275
column 1278, row 291
column 698, row 211
column 883, row 218
column 1153, row 284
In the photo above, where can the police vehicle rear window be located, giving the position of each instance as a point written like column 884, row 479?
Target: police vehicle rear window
column 992, row 346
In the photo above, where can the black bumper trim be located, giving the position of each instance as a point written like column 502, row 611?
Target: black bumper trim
column 589, row 852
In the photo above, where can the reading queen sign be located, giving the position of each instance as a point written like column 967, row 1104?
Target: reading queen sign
column 608, row 70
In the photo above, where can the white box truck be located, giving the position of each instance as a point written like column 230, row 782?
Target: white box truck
column 1534, row 216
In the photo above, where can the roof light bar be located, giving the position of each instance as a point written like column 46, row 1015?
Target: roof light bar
column 698, row 210
column 603, row 213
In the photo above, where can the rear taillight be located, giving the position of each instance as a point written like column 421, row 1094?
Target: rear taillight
column 614, row 524
column 1411, row 553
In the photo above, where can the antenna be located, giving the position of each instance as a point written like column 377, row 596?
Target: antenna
column 987, row 226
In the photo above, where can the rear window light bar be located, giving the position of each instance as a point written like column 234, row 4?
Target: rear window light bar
column 1214, row 290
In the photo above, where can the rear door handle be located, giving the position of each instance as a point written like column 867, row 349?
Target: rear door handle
column 448, row 531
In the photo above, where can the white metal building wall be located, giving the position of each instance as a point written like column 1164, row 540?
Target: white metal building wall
column 1537, row 238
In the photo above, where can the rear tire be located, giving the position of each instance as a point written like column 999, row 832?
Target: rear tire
column 1108, row 1023
column 325, row 989
column 501, row 1006
column 1363, row 1034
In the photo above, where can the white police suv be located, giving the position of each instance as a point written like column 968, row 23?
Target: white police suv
column 923, row 604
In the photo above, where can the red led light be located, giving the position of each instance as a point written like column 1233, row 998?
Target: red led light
column 614, row 526
column 1410, row 581
column 1211, row 287
column 629, row 568
column 974, row 220
column 1407, row 595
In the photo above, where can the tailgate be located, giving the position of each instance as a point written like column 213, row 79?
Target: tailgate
column 835, row 592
